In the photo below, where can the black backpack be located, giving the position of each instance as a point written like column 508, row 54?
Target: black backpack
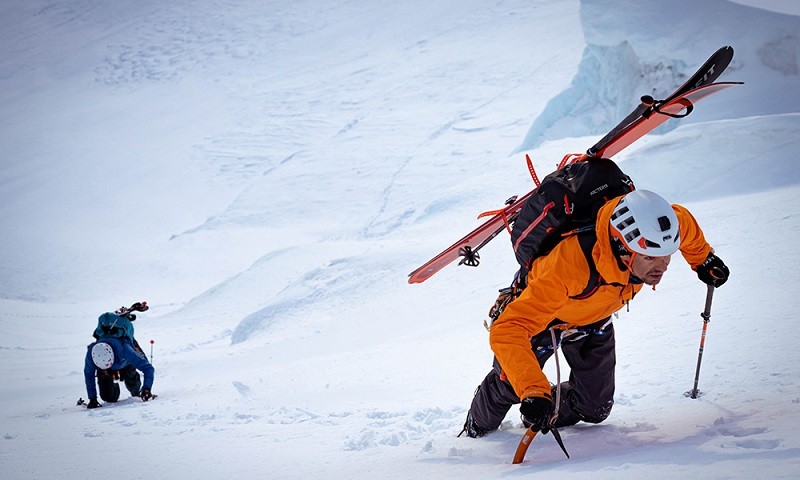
column 564, row 204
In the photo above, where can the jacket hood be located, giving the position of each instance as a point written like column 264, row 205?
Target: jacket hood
column 602, row 253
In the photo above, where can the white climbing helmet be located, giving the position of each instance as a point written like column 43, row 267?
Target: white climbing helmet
column 646, row 224
column 102, row 355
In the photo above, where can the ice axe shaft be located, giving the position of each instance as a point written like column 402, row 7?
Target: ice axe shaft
column 694, row 392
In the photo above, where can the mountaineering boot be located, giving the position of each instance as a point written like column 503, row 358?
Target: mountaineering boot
column 472, row 430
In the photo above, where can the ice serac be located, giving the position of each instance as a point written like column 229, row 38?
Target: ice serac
column 601, row 91
column 623, row 61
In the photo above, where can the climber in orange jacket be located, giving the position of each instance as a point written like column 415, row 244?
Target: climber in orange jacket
column 636, row 235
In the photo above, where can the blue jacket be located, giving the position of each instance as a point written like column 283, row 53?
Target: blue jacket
column 124, row 355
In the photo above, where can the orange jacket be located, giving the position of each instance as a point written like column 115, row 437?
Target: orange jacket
column 564, row 273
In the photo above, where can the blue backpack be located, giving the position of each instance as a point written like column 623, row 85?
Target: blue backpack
column 112, row 325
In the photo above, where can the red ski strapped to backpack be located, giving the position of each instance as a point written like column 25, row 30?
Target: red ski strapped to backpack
column 644, row 118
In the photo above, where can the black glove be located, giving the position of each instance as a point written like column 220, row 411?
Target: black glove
column 713, row 271
column 146, row 394
column 93, row 403
column 536, row 412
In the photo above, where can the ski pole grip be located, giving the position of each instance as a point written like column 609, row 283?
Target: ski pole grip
column 717, row 273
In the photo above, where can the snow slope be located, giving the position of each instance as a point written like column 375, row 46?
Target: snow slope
column 266, row 174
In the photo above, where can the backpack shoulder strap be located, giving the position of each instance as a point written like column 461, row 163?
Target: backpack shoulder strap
column 587, row 239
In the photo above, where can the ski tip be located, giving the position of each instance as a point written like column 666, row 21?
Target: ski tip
column 418, row 276
column 726, row 50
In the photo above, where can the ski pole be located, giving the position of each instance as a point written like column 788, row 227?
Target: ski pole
column 151, row 350
column 694, row 392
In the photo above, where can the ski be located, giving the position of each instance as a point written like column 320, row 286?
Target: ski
column 128, row 311
column 643, row 119
column 654, row 116
column 468, row 246
column 705, row 75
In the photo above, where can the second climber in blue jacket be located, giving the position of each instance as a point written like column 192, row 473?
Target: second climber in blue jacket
column 109, row 355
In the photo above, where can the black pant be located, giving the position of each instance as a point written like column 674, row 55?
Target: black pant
column 109, row 388
column 588, row 395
